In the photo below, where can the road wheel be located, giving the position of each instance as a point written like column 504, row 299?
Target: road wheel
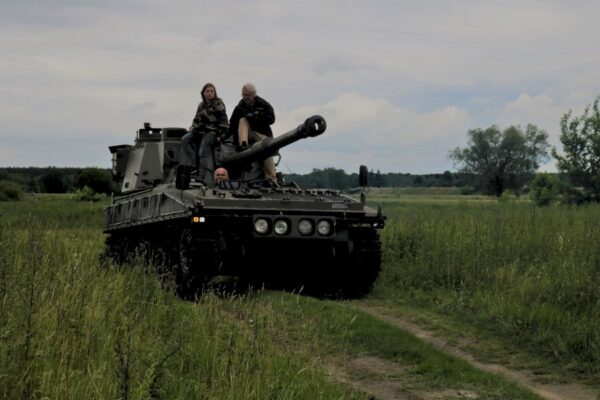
column 197, row 262
column 358, row 272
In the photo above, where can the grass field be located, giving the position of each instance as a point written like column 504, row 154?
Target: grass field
column 528, row 274
column 72, row 327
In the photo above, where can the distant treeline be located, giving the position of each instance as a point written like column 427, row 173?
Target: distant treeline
column 58, row 180
column 66, row 180
column 339, row 179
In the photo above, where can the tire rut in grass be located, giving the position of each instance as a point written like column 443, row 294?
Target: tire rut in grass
column 381, row 379
column 375, row 377
column 554, row 391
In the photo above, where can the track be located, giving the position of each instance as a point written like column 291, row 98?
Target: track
column 525, row 378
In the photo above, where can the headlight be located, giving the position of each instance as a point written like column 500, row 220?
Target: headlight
column 306, row 227
column 261, row 226
column 281, row 227
column 324, row 227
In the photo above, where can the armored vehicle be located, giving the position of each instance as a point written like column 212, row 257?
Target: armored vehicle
column 272, row 232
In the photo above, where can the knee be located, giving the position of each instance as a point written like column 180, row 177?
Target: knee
column 187, row 138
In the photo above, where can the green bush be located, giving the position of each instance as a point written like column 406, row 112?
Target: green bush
column 88, row 194
column 545, row 189
column 507, row 196
column 10, row 191
column 467, row 190
column 99, row 180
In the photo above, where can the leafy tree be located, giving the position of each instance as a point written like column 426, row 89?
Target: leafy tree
column 34, row 185
column 545, row 189
column 446, row 179
column 10, row 191
column 324, row 178
column 54, row 182
column 579, row 161
column 378, row 180
column 418, row 181
column 334, row 178
column 502, row 160
column 96, row 179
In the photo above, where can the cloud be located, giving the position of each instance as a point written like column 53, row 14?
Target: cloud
column 377, row 132
column 530, row 109
column 351, row 112
column 544, row 110
column 339, row 65
column 399, row 82
column 142, row 107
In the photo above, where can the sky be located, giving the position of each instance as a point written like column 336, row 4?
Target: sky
column 400, row 83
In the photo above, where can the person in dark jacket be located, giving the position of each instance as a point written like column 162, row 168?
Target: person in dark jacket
column 209, row 126
column 251, row 122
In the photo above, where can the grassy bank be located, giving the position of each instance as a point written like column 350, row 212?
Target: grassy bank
column 339, row 329
column 71, row 328
column 531, row 275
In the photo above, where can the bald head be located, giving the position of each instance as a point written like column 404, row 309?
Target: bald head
column 221, row 175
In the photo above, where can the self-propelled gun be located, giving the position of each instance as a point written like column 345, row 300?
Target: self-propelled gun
column 319, row 239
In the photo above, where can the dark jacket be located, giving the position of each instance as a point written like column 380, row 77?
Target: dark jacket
column 260, row 115
column 211, row 117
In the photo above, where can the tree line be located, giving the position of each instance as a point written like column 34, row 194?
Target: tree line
column 56, row 180
column 494, row 161
column 508, row 159
column 68, row 180
column 339, row 179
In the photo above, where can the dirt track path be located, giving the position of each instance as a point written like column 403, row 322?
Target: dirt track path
column 523, row 377
column 382, row 380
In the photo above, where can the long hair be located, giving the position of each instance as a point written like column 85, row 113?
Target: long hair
column 204, row 88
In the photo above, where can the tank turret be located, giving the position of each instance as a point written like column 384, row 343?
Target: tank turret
column 154, row 157
column 151, row 161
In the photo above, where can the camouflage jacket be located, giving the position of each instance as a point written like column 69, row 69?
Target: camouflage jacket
column 211, row 117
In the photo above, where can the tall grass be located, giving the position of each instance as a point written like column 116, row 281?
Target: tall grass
column 71, row 328
column 530, row 273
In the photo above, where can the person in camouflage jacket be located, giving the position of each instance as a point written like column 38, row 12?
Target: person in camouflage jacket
column 210, row 125
column 211, row 115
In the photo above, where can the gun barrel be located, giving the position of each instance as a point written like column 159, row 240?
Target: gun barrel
column 312, row 127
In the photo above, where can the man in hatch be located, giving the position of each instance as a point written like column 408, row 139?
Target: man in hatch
column 221, row 175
